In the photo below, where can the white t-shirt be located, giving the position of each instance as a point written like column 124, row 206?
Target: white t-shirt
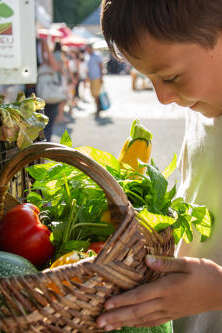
column 73, row 65
column 83, row 70
column 202, row 184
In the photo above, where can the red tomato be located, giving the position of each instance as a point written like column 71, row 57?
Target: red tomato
column 22, row 233
column 96, row 246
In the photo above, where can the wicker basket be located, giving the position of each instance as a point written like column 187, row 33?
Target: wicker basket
column 21, row 181
column 69, row 299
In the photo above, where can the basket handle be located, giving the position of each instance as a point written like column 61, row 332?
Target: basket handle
column 60, row 153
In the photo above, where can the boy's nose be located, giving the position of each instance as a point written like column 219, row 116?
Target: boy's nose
column 165, row 92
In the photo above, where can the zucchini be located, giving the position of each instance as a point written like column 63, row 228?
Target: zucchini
column 14, row 265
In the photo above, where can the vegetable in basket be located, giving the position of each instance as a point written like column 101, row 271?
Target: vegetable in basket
column 96, row 246
column 21, row 121
column 137, row 147
column 78, row 212
column 22, row 233
column 72, row 257
column 13, row 265
column 73, row 206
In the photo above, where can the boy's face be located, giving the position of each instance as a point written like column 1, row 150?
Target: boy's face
column 183, row 73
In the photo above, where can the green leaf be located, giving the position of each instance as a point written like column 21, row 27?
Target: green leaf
column 75, row 245
column 185, row 221
column 35, row 198
column 156, row 221
column 48, row 188
column 203, row 222
column 59, row 171
column 96, row 231
column 168, row 199
column 171, row 167
column 138, row 131
column 199, row 213
column 92, row 209
column 66, row 139
column 180, row 206
column 178, row 233
column 159, row 187
column 102, row 157
column 57, row 232
column 39, row 171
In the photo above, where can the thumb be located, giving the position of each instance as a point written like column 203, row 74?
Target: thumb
column 168, row 264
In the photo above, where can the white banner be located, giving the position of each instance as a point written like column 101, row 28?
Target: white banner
column 17, row 42
column 10, row 54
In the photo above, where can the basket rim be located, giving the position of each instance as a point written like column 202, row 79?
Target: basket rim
column 61, row 153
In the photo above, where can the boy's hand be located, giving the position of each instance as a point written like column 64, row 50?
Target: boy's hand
column 191, row 286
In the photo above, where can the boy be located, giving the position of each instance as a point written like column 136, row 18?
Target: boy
column 178, row 45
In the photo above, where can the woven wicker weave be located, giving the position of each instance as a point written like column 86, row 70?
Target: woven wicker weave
column 69, row 299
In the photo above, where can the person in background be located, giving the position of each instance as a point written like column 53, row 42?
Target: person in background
column 74, row 69
column 139, row 81
column 78, row 61
column 69, row 81
column 178, row 45
column 95, row 75
column 59, row 57
column 51, row 110
column 83, row 70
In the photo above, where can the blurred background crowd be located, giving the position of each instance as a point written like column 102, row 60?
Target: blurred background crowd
column 78, row 58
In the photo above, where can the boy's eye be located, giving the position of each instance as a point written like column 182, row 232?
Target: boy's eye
column 170, row 79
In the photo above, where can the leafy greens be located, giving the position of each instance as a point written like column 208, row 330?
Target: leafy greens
column 72, row 204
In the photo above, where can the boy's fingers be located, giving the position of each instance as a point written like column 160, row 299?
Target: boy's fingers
column 130, row 315
column 168, row 264
column 138, row 295
column 152, row 323
column 153, row 319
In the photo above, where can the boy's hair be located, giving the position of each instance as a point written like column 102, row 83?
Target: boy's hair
column 197, row 21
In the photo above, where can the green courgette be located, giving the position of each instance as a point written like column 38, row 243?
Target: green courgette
column 14, row 265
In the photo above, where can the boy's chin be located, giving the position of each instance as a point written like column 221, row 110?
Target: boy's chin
column 207, row 110
column 210, row 112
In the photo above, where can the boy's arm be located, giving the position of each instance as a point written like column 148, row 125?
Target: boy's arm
column 190, row 286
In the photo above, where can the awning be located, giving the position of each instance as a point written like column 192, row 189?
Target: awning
column 73, row 40
column 45, row 33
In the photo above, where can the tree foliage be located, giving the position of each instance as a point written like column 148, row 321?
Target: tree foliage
column 73, row 12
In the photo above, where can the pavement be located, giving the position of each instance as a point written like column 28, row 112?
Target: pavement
column 110, row 130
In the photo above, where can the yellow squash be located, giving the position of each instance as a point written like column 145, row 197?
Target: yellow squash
column 70, row 258
column 137, row 147
column 66, row 259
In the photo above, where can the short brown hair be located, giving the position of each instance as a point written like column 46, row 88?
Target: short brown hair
column 198, row 21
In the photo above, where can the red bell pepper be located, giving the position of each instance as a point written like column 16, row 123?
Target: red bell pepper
column 22, row 233
column 96, row 246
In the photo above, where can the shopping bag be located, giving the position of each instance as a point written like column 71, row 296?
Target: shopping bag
column 104, row 100
column 48, row 86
